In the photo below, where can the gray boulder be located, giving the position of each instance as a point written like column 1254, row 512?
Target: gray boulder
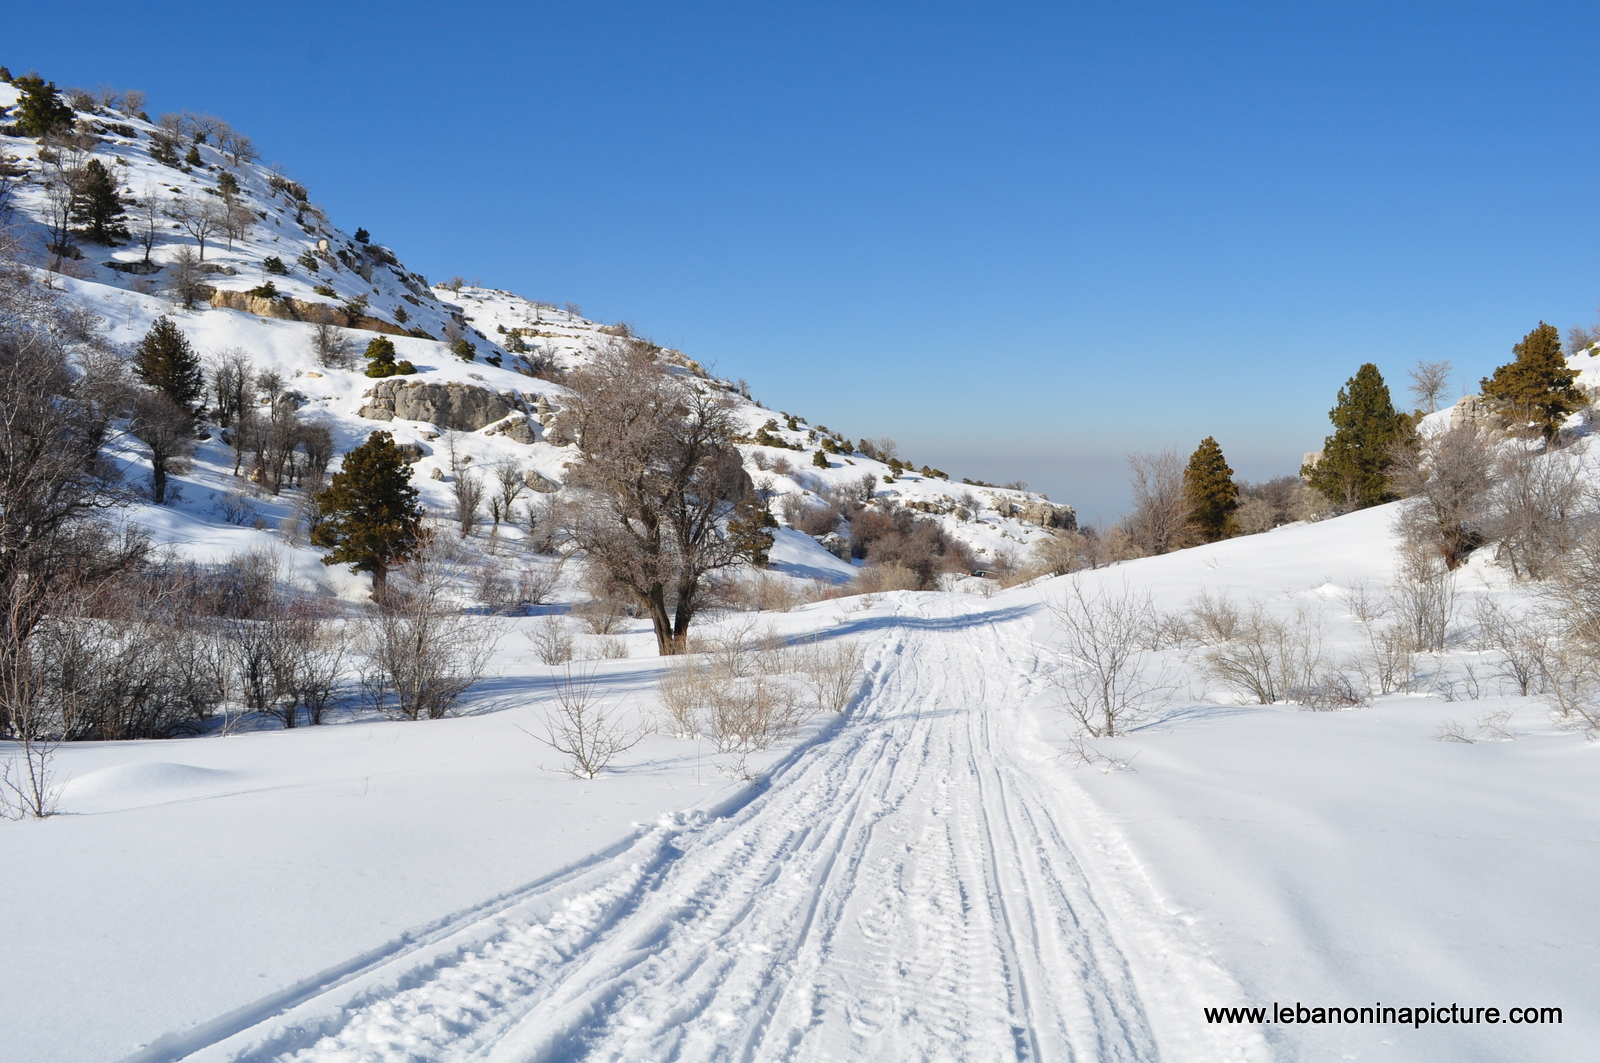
column 459, row 407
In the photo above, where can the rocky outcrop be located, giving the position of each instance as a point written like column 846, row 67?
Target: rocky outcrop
column 458, row 407
column 1473, row 412
column 518, row 427
column 290, row 309
column 542, row 484
column 1039, row 511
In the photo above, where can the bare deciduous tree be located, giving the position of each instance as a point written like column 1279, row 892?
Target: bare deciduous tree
column 200, row 220
column 1447, row 477
column 185, row 278
column 1159, row 520
column 329, row 344
column 1428, row 383
column 657, row 482
column 167, row 431
column 236, row 221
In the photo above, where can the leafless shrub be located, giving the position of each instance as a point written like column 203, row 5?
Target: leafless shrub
column 602, row 616
column 1104, row 674
column 1388, row 661
column 747, row 715
column 420, row 651
column 1214, row 620
column 1572, row 684
column 880, row 579
column 608, row 648
column 1083, row 755
column 1447, row 478
column 468, row 491
column 330, row 346
column 685, row 688
column 1424, row 598
column 1489, row 727
column 1536, row 507
column 1058, row 553
column 509, row 592
column 762, row 592
column 551, row 640
column 1270, row 658
column 28, row 784
column 585, row 729
column 833, row 672
column 1519, row 641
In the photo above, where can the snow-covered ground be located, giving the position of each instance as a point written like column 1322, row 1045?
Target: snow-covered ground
column 928, row 877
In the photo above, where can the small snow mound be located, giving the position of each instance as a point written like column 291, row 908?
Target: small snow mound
column 144, row 779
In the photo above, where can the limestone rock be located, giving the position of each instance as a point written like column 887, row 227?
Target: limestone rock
column 542, row 484
column 1473, row 412
column 437, row 474
column 411, row 453
column 458, row 407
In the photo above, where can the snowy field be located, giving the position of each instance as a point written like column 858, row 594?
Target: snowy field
column 928, row 877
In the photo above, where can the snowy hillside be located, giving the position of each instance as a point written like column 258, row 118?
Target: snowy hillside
column 319, row 270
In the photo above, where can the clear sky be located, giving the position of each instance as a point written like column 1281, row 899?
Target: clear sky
column 1022, row 240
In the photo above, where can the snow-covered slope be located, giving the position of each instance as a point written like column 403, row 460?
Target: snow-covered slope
column 329, row 270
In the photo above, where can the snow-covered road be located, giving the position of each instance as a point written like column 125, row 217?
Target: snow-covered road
column 905, row 888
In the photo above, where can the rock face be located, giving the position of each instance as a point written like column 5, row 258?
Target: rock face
column 1473, row 412
column 542, row 484
column 299, row 310
column 518, row 427
column 459, row 407
column 1045, row 514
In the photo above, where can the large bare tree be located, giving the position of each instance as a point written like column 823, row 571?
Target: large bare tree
column 658, row 479
column 63, row 395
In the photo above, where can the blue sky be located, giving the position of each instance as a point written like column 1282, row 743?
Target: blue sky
column 1022, row 240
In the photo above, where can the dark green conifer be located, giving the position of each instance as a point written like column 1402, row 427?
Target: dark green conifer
column 370, row 517
column 820, row 460
column 164, row 359
column 1210, row 492
column 380, row 357
column 1537, row 388
column 1354, row 468
column 97, row 206
column 40, row 111
column 192, row 157
column 750, row 529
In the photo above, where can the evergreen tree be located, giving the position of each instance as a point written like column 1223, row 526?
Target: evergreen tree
column 1354, row 469
column 164, row 359
column 370, row 516
column 40, row 111
column 1210, row 492
column 750, row 529
column 380, row 357
column 96, row 206
column 820, row 460
column 1537, row 388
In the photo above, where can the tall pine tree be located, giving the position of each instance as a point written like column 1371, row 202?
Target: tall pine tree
column 371, row 519
column 164, row 359
column 97, row 206
column 1537, row 387
column 1354, row 469
column 1210, row 492
column 40, row 111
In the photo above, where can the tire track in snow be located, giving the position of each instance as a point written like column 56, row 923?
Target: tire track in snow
column 901, row 890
